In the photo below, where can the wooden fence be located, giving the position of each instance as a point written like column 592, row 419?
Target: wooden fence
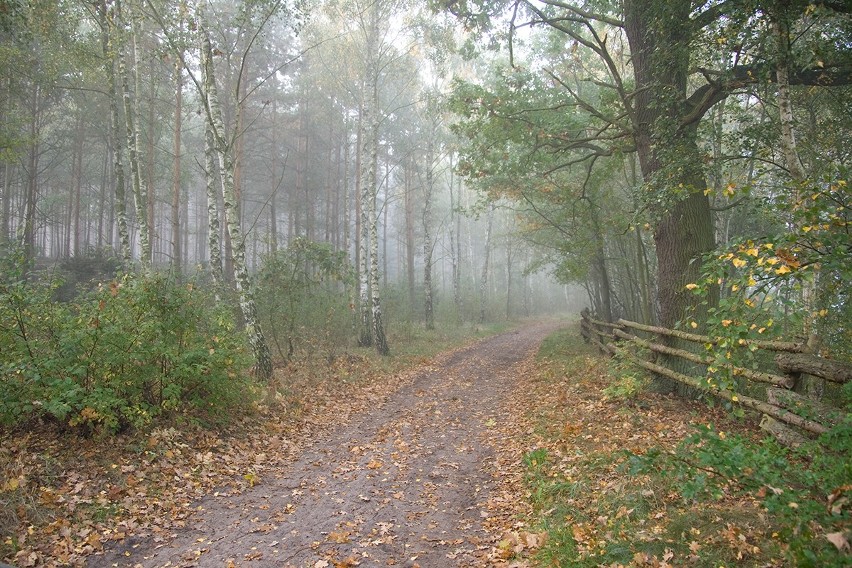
column 787, row 415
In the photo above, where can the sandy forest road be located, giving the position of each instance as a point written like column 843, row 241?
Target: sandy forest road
column 405, row 484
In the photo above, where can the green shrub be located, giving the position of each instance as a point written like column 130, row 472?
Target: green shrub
column 302, row 299
column 119, row 356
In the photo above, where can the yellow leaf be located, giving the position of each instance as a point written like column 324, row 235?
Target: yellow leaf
column 738, row 262
column 338, row 537
column 691, row 286
column 726, row 323
column 752, row 251
column 694, row 325
column 783, row 269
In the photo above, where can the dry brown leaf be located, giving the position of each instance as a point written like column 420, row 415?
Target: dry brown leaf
column 839, row 540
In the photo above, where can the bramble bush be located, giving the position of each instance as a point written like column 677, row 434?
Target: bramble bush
column 119, row 356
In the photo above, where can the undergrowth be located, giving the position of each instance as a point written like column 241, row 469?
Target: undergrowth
column 134, row 348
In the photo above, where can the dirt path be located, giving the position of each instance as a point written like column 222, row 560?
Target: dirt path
column 403, row 485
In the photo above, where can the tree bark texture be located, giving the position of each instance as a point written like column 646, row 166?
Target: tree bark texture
column 486, row 259
column 131, row 112
column 111, row 54
column 260, row 349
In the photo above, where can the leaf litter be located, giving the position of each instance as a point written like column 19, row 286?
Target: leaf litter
column 394, row 470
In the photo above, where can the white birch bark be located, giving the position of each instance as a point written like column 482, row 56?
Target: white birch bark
column 213, row 111
column 213, row 244
column 130, row 112
column 483, row 280
column 365, row 338
column 372, row 128
column 108, row 44
column 793, row 162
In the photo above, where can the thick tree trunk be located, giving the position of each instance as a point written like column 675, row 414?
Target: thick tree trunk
column 659, row 35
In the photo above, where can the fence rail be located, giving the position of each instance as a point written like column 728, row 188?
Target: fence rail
column 787, row 415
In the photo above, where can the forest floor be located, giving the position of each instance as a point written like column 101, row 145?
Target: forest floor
column 477, row 457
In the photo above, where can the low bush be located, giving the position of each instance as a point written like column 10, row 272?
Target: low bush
column 131, row 350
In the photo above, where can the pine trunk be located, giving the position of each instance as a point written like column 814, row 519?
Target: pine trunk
column 427, row 238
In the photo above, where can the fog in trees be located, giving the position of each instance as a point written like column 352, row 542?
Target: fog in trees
column 406, row 165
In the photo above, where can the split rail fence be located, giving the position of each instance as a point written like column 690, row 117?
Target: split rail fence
column 788, row 415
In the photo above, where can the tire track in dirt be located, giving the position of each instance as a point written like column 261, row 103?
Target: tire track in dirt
column 404, row 484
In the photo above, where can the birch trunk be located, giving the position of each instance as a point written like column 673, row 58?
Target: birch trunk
column 370, row 187
column 483, row 280
column 213, row 243
column 131, row 111
column 427, row 237
column 365, row 338
column 792, row 160
column 378, row 323
column 213, row 111
column 110, row 51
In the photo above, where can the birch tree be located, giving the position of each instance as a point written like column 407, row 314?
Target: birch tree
column 223, row 149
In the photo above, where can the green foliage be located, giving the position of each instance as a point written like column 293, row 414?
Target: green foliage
column 118, row 356
column 302, row 298
column 788, row 283
column 630, row 380
column 804, row 491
